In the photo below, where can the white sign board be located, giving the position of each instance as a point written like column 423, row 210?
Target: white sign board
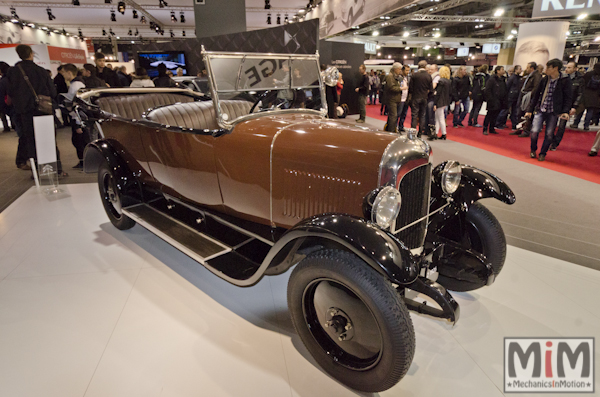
column 540, row 41
column 462, row 52
column 370, row 48
column 45, row 141
column 491, row 48
column 563, row 8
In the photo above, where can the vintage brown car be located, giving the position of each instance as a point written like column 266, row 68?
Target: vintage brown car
column 254, row 180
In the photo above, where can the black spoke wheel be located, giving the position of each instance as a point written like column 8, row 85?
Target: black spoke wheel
column 482, row 233
column 112, row 199
column 352, row 320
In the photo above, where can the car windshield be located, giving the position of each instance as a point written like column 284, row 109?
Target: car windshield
column 270, row 82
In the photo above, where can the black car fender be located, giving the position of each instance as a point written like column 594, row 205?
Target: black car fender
column 475, row 185
column 375, row 246
column 108, row 150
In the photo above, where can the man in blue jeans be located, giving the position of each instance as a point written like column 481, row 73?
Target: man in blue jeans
column 551, row 100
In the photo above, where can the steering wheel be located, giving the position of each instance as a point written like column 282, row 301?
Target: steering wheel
column 258, row 99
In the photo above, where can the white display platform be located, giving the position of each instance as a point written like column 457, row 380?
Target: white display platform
column 88, row 310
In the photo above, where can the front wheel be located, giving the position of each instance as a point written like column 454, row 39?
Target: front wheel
column 482, row 234
column 112, row 200
column 351, row 320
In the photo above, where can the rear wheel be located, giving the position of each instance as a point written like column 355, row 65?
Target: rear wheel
column 352, row 320
column 112, row 200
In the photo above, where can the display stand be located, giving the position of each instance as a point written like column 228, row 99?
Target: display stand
column 47, row 164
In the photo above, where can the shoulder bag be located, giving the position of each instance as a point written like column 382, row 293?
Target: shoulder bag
column 43, row 103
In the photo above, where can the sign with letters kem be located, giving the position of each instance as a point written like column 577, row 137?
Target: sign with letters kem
column 564, row 8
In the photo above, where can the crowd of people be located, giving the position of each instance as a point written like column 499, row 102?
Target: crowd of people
column 523, row 99
column 22, row 83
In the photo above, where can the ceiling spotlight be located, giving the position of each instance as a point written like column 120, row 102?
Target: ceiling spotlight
column 111, row 32
column 143, row 19
column 130, row 33
column 64, row 32
column 379, row 54
column 437, row 35
column 50, row 15
column 286, row 20
column 13, row 13
column 376, row 33
column 171, row 33
column 135, row 14
column 582, row 16
column 121, row 7
column 80, row 33
column 136, row 32
column 267, row 4
column 510, row 37
column 278, row 19
column 107, row 1
column 113, row 16
column 182, row 17
column 268, row 18
column 103, row 32
column 173, row 17
column 183, row 33
column 499, row 12
column 406, row 34
column 407, row 48
column 461, row 44
column 514, row 31
column 162, row 4
column 75, row 3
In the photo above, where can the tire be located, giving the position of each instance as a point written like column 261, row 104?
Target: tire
column 336, row 288
column 485, row 236
column 112, row 200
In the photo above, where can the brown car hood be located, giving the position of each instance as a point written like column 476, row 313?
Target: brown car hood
column 320, row 165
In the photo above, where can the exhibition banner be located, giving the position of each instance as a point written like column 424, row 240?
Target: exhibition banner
column 336, row 16
column 564, row 8
column 540, row 41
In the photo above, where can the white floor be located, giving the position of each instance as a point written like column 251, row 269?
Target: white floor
column 88, row 310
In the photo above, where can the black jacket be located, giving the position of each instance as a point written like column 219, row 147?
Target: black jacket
column 590, row 97
column 461, row 86
column 578, row 84
column 4, row 108
column 479, row 82
column 93, row 82
column 22, row 97
column 562, row 97
column 363, row 85
column 61, row 85
column 442, row 93
column 420, row 85
column 124, row 79
column 109, row 76
column 164, row 81
column 496, row 93
column 513, row 85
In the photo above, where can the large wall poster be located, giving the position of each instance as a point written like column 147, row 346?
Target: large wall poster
column 336, row 16
column 540, row 41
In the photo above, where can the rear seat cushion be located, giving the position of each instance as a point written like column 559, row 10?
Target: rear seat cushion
column 198, row 115
column 133, row 106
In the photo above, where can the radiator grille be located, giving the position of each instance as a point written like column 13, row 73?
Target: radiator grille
column 414, row 189
column 308, row 193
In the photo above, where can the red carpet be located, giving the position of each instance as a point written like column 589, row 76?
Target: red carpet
column 571, row 157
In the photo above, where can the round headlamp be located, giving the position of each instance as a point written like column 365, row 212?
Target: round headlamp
column 451, row 175
column 386, row 207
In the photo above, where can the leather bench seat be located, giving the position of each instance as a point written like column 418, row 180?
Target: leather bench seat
column 198, row 115
column 134, row 105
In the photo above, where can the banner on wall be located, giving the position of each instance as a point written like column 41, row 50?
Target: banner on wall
column 66, row 55
column 540, row 41
column 563, row 8
column 336, row 16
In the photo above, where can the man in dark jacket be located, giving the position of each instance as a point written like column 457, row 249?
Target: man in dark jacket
column 163, row 79
column 552, row 99
column 88, row 75
column 479, row 83
column 577, row 85
column 496, row 96
column 532, row 81
column 461, row 89
column 590, row 99
column 5, row 108
column 513, row 86
column 363, row 91
column 23, row 99
column 105, row 73
column 420, row 86
column 124, row 78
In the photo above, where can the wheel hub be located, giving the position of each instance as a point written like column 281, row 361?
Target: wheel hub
column 338, row 324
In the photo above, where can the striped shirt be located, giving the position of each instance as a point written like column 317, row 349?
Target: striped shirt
column 547, row 101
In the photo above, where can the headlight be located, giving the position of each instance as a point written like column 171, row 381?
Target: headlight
column 386, row 207
column 451, row 175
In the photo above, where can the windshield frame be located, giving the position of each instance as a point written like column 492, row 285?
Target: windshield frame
column 208, row 56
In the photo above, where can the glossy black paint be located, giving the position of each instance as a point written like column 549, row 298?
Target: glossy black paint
column 449, row 307
column 127, row 181
column 378, row 248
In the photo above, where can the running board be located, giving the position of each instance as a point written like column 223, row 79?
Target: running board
column 232, row 263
